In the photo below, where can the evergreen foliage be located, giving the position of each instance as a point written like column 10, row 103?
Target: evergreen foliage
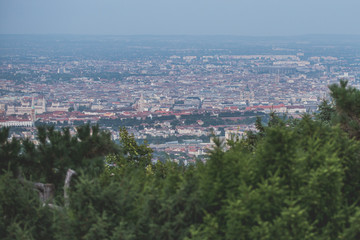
column 293, row 179
column 347, row 105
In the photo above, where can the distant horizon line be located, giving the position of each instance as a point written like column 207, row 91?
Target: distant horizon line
column 173, row 35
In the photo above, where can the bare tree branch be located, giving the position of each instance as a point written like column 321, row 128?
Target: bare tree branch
column 69, row 175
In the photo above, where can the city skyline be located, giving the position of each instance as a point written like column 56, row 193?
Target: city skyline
column 169, row 91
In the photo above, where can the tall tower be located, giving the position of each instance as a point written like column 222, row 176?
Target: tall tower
column 33, row 111
column 32, row 103
column 277, row 78
column 44, row 105
column 141, row 103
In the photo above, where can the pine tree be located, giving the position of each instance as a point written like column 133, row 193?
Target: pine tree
column 347, row 106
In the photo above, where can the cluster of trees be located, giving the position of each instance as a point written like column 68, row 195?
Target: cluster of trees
column 134, row 122
column 208, row 120
column 293, row 179
column 161, row 140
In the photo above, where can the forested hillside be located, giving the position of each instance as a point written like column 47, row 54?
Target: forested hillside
column 293, row 179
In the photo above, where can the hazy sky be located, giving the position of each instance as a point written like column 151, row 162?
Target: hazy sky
column 235, row 17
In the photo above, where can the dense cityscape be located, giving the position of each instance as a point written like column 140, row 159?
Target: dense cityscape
column 173, row 92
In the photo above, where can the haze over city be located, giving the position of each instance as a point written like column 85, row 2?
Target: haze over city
column 185, row 17
column 180, row 119
column 169, row 71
